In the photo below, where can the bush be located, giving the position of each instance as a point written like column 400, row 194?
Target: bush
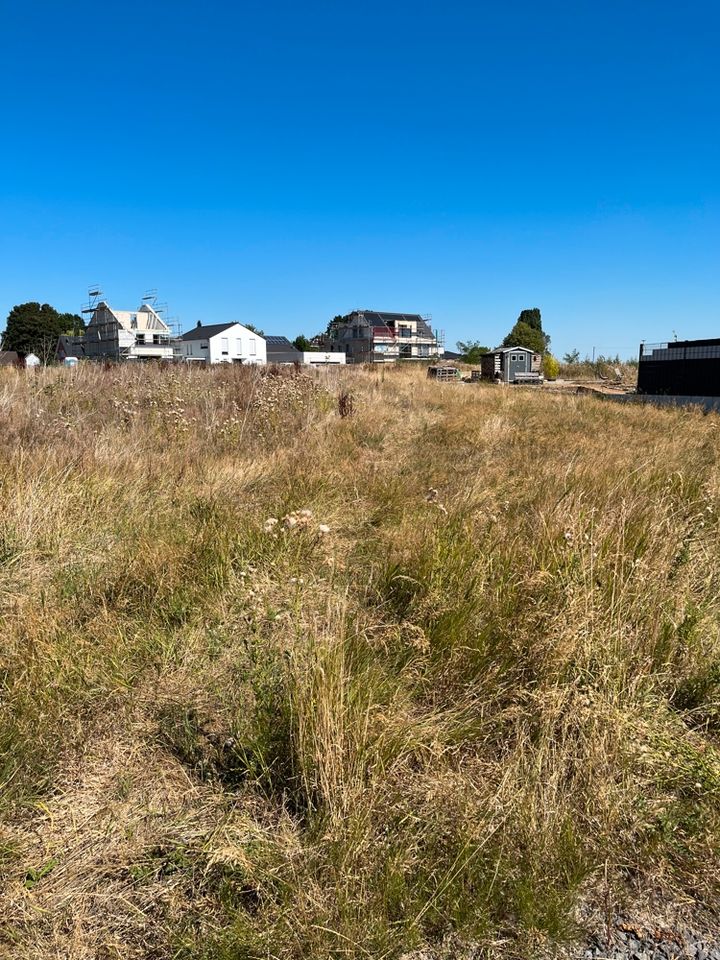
column 550, row 366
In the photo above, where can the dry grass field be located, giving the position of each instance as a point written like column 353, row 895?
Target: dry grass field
column 280, row 683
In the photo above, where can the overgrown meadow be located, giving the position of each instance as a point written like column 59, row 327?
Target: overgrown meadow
column 349, row 664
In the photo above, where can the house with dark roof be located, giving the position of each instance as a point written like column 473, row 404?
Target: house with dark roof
column 221, row 343
column 280, row 350
column 70, row 346
column 374, row 336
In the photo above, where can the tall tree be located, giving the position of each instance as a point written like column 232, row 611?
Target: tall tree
column 528, row 332
column 531, row 317
column 30, row 326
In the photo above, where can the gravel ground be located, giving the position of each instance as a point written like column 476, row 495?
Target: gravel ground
column 629, row 941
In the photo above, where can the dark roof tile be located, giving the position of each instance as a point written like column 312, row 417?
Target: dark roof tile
column 205, row 332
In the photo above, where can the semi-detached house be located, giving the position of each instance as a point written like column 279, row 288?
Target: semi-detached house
column 221, row 343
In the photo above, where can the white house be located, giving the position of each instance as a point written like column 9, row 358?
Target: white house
column 221, row 343
column 319, row 358
column 127, row 335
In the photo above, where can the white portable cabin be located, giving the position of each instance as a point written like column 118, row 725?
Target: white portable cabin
column 318, row 358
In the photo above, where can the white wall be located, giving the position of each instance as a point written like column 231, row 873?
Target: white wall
column 237, row 343
column 318, row 357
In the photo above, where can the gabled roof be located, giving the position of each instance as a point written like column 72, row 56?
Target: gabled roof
column 210, row 330
column 71, row 346
column 143, row 319
column 512, row 350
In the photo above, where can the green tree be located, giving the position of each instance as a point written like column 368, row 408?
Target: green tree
column 303, row 344
column 31, row 326
column 531, row 317
column 528, row 332
column 251, row 326
column 573, row 356
column 523, row 335
column 471, row 350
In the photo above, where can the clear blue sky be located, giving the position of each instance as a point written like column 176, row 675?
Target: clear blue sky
column 280, row 162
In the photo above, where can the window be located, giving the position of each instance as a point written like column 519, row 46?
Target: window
column 238, row 347
column 251, row 343
column 141, row 338
column 224, row 346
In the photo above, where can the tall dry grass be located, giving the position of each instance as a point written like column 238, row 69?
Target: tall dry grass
column 481, row 709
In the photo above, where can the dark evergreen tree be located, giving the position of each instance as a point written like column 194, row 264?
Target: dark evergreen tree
column 32, row 326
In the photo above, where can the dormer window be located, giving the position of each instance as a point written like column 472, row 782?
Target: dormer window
column 133, row 322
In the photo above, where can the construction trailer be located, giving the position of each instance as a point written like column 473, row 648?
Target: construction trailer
column 512, row 365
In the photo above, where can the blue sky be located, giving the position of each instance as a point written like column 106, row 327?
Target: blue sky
column 280, row 163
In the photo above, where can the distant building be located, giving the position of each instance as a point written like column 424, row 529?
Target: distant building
column 69, row 346
column 370, row 336
column 9, row 358
column 127, row 335
column 320, row 358
column 683, row 368
column 221, row 343
column 280, row 350
column 511, row 365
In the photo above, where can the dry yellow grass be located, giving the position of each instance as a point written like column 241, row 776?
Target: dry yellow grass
column 482, row 705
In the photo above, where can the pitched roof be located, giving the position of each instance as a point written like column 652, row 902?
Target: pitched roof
column 71, row 346
column 512, row 350
column 210, row 330
column 143, row 319
column 381, row 318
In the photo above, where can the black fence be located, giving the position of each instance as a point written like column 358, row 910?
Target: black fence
column 686, row 368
